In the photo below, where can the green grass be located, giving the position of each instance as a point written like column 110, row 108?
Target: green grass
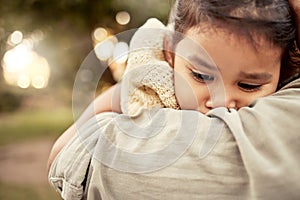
column 30, row 124
column 17, row 192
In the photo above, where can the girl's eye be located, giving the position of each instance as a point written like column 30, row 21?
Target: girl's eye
column 202, row 77
column 249, row 87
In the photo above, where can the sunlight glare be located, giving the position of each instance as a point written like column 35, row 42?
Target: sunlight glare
column 17, row 58
column 24, row 67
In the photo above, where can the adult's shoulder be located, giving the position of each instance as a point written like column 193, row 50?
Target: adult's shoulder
column 267, row 136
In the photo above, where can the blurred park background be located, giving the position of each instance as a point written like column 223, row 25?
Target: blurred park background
column 43, row 45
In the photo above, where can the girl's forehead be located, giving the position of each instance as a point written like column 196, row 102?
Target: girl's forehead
column 225, row 51
column 196, row 36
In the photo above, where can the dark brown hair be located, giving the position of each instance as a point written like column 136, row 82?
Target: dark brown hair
column 271, row 19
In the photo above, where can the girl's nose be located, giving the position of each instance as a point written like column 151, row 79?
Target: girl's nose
column 227, row 102
column 231, row 104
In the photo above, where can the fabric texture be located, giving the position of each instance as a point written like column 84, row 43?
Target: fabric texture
column 165, row 153
column 148, row 78
column 252, row 153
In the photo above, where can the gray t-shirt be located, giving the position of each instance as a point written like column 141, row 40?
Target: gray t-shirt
column 164, row 153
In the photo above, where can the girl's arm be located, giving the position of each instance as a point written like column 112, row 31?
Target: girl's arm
column 106, row 102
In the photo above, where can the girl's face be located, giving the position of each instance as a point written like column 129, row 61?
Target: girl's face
column 233, row 75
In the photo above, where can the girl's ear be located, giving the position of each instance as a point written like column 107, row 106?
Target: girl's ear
column 169, row 51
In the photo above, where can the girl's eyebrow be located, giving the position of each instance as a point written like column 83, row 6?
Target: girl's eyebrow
column 256, row 76
column 196, row 60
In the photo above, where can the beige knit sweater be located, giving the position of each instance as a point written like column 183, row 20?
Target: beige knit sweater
column 148, row 78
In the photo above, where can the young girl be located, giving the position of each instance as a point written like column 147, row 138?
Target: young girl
column 250, row 44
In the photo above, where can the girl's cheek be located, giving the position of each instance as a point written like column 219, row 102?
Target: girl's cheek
column 185, row 95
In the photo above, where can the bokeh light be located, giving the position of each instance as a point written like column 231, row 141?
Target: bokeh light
column 16, row 59
column 104, row 49
column 16, row 37
column 123, row 17
column 23, row 81
column 100, row 34
column 38, row 82
column 23, row 67
column 120, row 53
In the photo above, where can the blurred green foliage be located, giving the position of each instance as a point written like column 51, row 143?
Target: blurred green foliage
column 67, row 26
column 29, row 124
column 9, row 101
